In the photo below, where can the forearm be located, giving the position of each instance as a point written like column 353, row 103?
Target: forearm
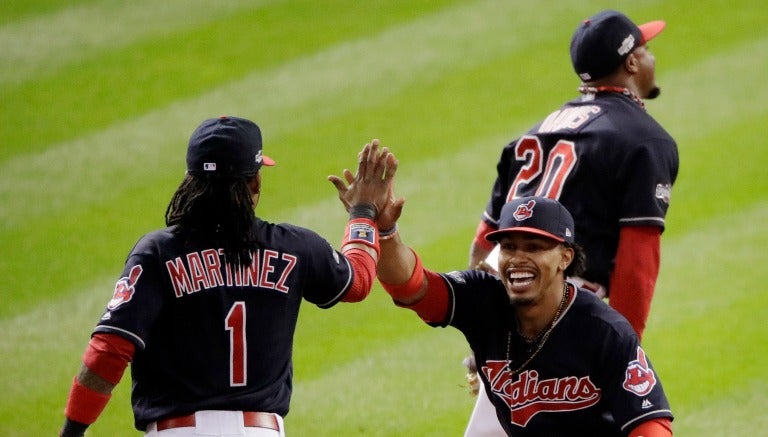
column 636, row 269
column 363, row 264
column 661, row 427
column 480, row 247
column 104, row 361
column 361, row 247
column 396, row 264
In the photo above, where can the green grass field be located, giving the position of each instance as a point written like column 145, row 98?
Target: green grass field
column 98, row 98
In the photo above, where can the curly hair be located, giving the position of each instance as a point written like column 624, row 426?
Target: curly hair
column 217, row 210
column 579, row 262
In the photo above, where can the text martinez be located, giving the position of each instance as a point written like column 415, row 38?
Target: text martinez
column 204, row 270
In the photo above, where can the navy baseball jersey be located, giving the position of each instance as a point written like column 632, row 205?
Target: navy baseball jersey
column 590, row 377
column 210, row 336
column 605, row 159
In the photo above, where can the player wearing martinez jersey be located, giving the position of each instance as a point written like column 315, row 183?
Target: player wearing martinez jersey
column 607, row 160
column 555, row 360
column 206, row 309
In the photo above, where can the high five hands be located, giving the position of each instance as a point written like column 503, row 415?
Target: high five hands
column 372, row 184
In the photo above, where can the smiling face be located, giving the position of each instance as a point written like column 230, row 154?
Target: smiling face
column 531, row 266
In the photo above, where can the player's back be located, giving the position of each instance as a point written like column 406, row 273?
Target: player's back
column 212, row 335
column 602, row 159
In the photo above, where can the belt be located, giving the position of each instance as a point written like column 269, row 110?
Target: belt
column 251, row 419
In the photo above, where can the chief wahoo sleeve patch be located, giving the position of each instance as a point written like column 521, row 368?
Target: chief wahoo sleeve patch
column 124, row 288
column 639, row 378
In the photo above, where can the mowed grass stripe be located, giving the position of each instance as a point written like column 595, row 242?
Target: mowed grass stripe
column 91, row 94
column 706, row 335
column 359, row 71
column 738, row 411
column 37, row 47
column 697, row 100
column 417, row 383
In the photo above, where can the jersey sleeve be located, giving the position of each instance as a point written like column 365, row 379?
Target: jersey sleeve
column 633, row 387
column 137, row 298
column 500, row 186
column 475, row 299
column 329, row 275
column 647, row 174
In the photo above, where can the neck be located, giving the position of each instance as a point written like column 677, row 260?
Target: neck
column 534, row 319
column 592, row 90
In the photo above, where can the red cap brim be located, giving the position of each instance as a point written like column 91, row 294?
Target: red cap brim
column 266, row 160
column 650, row 30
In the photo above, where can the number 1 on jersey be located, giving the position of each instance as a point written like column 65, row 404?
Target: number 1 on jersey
column 235, row 324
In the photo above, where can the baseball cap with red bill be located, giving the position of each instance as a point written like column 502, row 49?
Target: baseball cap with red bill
column 535, row 215
column 602, row 42
column 227, row 146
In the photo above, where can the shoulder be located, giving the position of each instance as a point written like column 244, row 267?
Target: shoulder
column 154, row 240
column 476, row 286
column 593, row 311
column 277, row 233
column 633, row 121
column 470, row 277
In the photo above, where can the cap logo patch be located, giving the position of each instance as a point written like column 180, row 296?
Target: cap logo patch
column 259, row 158
column 627, row 45
column 524, row 210
column 639, row 378
column 209, row 166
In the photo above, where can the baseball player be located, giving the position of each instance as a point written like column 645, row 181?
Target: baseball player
column 607, row 160
column 555, row 359
column 205, row 309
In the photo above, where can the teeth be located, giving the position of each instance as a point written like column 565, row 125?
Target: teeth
column 520, row 275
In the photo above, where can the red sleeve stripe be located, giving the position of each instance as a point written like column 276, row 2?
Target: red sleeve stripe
column 364, row 268
column 401, row 292
column 483, row 229
column 107, row 355
column 84, row 405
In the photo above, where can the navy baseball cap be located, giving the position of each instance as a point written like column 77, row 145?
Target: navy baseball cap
column 228, row 146
column 535, row 215
column 602, row 42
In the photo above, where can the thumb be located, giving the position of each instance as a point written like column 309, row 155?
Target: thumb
column 397, row 207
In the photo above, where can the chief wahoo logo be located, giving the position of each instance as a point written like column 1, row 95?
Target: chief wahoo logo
column 124, row 288
column 639, row 378
column 524, row 210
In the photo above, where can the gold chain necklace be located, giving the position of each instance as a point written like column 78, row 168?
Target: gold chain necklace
column 542, row 337
column 612, row 89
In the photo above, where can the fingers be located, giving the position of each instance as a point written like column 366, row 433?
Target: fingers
column 341, row 188
column 368, row 160
column 349, row 176
column 391, row 164
column 338, row 183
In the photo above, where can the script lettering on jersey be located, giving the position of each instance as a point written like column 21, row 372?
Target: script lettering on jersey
column 528, row 395
column 204, row 270
column 568, row 118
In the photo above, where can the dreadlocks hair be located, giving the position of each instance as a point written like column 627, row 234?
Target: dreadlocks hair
column 579, row 262
column 217, row 210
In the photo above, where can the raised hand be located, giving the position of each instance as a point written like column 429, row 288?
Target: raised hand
column 372, row 183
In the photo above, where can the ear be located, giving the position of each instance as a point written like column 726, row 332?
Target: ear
column 632, row 64
column 567, row 255
column 255, row 183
